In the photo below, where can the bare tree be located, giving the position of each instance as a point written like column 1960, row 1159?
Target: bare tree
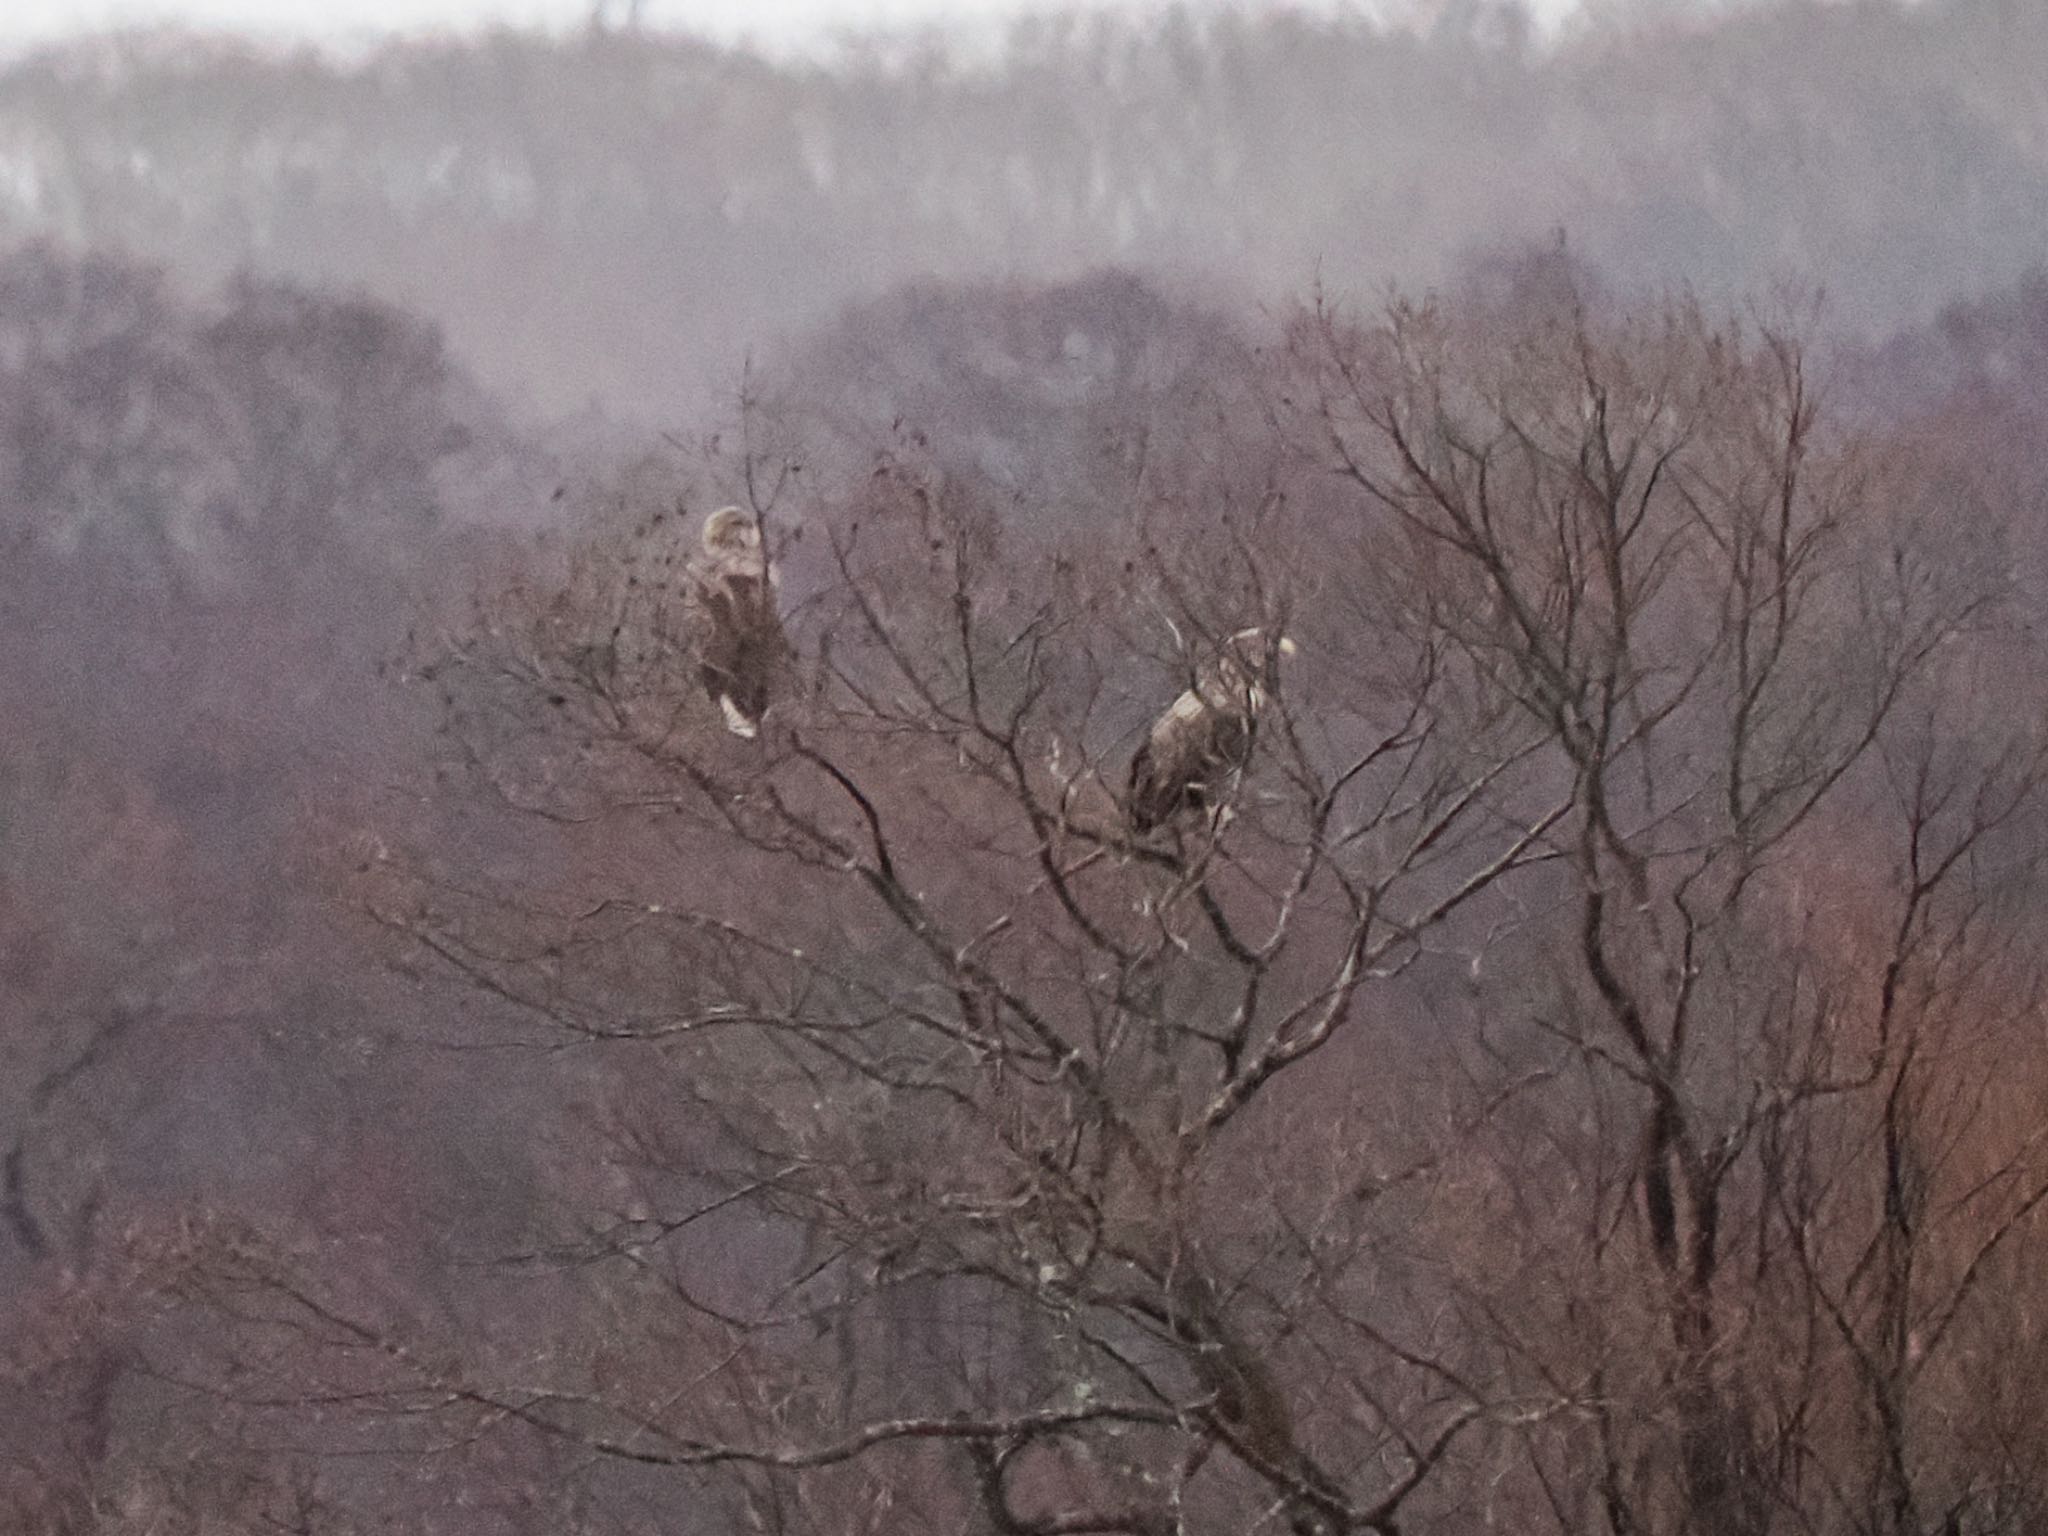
column 1464, row 1111
column 1641, row 534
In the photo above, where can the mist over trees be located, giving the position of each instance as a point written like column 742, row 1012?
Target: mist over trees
column 217, row 517
column 1565, row 1054
column 651, row 208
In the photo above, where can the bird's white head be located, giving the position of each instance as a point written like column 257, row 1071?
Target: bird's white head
column 1252, row 646
column 730, row 529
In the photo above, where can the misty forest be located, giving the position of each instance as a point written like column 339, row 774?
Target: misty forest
column 1223, row 773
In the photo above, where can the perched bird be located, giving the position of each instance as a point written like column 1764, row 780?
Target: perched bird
column 734, row 627
column 1205, row 737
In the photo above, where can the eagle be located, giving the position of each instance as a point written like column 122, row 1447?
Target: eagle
column 1205, row 736
column 735, row 629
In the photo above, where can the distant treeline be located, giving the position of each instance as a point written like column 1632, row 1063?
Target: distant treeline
column 618, row 216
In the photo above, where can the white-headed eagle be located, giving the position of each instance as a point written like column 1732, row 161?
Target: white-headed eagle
column 1205, row 738
column 734, row 627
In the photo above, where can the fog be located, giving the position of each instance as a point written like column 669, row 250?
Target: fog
column 472, row 1060
column 1888, row 156
column 782, row 28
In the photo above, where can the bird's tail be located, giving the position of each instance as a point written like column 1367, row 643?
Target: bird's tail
column 736, row 719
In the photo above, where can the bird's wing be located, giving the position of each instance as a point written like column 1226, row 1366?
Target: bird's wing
column 1171, row 760
column 1145, row 799
column 707, row 608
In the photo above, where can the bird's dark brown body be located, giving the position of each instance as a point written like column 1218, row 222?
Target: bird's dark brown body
column 1204, row 739
column 736, row 630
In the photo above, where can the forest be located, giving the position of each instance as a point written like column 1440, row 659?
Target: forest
column 1567, row 1057
column 653, row 208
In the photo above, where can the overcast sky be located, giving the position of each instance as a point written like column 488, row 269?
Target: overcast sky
column 782, row 25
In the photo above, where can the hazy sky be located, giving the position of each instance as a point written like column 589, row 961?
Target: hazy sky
column 797, row 25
